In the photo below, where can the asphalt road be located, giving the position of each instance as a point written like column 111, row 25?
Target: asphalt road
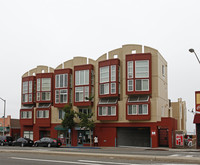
column 95, row 156
column 45, row 159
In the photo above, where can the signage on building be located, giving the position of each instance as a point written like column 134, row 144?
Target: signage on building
column 179, row 139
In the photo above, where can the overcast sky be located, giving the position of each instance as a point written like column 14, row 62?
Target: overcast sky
column 50, row 32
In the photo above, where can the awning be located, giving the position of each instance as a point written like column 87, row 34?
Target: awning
column 197, row 119
column 141, row 98
column 60, row 128
column 108, row 101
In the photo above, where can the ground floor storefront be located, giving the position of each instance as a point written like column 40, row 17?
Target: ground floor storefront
column 142, row 134
column 137, row 134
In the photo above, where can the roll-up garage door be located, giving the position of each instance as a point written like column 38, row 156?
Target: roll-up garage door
column 133, row 136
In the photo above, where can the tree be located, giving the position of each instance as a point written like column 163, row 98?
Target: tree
column 86, row 121
column 68, row 121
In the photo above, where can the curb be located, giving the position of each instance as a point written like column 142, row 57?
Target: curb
column 122, row 156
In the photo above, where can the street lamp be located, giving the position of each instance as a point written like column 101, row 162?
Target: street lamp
column 192, row 51
column 4, row 114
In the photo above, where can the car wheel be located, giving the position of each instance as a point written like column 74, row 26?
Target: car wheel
column 2, row 144
column 22, row 145
column 49, row 145
column 36, row 145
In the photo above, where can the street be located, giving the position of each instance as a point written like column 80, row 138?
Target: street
column 96, row 156
column 43, row 159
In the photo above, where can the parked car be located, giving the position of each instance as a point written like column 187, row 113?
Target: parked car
column 6, row 140
column 23, row 142
column 48, row 142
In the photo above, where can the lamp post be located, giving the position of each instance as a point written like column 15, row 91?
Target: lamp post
column 4, row 114
column 192, row 51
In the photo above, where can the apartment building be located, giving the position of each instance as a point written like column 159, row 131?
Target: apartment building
column 130, row 105
column 179, row 112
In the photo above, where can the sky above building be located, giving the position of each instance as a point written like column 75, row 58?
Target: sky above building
column 50, row 32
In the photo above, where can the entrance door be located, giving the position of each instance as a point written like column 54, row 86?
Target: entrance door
column 163, row 137
column 133, row 136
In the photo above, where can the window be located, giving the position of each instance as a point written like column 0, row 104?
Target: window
column 82, row 77
column 79, row 94
column 30, row 98
column 142, row 85
column 113, row 72
column 30, row 86
column 132, row 109
column 25, row 98
column 130, row 85
column 104, row 74
column 163, row 70
column 57, row 97
column 107, row 111
column 38, row 84
column 130, row 69
column 61, row 81
column 28, row 134
column 26, row 114
column 46, row 84
column 43, row 114
column 141, row 109
column 142, row 69
column 46, row 96
column 38, row 96
column 113, row 88
column 61, row 114
column 63, row 96
column 85, row 111
column 104, row 89
column 25, row 87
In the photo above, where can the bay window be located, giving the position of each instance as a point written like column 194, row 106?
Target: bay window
column 43, row 89
column 27, row 91
column 141, row 109
column 26, row 114
column 108, row 79
column 107, row 111
column 43, row 114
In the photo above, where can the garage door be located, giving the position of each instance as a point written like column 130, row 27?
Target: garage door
column 133, row 136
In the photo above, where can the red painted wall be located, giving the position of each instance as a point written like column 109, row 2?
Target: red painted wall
column 106, row 136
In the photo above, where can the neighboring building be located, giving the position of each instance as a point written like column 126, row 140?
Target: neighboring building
column 130, row 106
column 197, row 118
column 179, row 112
column 12, row 127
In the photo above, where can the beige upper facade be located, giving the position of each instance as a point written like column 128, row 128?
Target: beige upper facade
column 159, row 95
column 179, row 112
